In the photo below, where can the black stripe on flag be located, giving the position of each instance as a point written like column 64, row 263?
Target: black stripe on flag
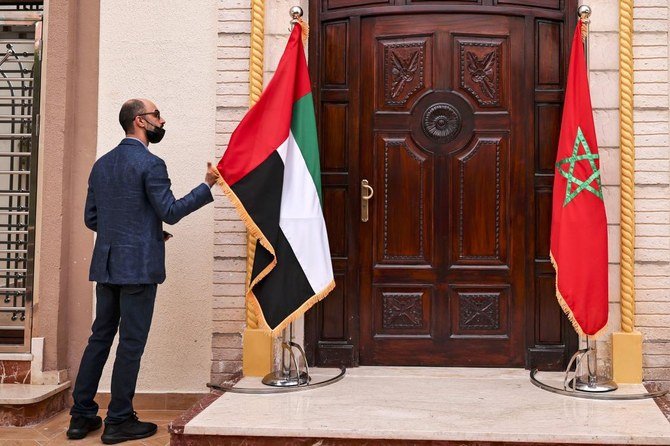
column 286, row 288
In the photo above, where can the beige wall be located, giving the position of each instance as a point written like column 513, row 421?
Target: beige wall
column 166, row 50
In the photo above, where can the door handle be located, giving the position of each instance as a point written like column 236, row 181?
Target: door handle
column 366, row 193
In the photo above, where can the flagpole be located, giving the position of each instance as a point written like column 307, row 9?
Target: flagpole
column 587, row 384
column 584, row 13
column 290, row 373
column 589, row 381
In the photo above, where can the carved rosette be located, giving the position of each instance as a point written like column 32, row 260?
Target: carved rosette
column 480, row 71
column 441, row 122
column 403, row 71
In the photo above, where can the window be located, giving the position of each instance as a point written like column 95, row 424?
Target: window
column 20, row 51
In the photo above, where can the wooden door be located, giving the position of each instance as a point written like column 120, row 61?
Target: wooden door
column 443, row 147
column 450, row 115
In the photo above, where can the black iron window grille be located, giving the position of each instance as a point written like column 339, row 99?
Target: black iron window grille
column 20, row 57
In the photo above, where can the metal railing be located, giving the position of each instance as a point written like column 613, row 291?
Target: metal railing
column 20, row 62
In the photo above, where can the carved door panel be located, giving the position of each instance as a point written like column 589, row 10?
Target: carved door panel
column 444, row 147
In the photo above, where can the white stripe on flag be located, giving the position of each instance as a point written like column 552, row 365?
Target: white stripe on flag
column 301, row 217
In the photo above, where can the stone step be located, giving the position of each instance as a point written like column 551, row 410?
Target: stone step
column 422, row 406
column 28, row 404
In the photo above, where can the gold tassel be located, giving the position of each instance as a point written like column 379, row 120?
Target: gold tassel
column 305, row 29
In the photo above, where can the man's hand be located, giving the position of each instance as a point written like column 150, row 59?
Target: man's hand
column 212, row 175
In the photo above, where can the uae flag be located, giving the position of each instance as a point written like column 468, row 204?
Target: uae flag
column 579, row 224
column 271, row 173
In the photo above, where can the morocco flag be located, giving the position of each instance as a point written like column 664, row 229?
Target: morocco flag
column 271, row 173
column 579, row 225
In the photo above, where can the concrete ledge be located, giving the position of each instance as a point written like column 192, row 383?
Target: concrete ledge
column 21, row 394
column 29, row 404
column 16, row 356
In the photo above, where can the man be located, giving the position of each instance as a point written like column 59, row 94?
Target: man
column 128, row 200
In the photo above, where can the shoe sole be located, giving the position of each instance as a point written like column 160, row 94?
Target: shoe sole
column 82, row 436
column 121, row 440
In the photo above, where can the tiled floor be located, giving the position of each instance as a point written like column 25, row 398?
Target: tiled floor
column 52, row 431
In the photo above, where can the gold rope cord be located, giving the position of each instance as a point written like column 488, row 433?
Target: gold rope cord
column 627, row 146
column 255, row 89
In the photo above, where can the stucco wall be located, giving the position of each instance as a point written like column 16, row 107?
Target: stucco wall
column 165, row 50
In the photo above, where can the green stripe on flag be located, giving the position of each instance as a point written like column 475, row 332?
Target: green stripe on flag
column 303, row 127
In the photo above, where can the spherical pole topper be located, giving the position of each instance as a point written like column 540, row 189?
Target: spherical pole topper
column 584, row 12
column 296, row 13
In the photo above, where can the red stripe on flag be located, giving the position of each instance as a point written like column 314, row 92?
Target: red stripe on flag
column 267, row 124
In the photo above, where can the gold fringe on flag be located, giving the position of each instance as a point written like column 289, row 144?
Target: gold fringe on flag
column 251, row 299
column 305, row 29
column 567, row 310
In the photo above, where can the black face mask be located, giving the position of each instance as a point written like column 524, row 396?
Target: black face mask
column 156, row 135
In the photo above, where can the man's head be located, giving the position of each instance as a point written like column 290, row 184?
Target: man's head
column 141, row 119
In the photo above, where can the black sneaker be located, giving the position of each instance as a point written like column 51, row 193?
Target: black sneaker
column 81, row 426
column 131, row 429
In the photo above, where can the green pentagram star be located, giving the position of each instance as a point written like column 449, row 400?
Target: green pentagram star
column 574, row 159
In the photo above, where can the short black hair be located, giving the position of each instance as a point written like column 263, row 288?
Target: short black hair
column 129, row 110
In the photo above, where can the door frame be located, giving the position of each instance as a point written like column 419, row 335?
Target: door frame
column 345, row 351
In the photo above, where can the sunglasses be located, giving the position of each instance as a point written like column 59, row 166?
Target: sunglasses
column 156, row 114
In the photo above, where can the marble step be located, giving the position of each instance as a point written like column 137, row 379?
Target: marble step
column 28, row 404
column 423, row 406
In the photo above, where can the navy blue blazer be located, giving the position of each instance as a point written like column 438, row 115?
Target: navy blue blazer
column 128, row 200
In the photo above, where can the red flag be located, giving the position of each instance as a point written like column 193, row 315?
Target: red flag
column 579, row 224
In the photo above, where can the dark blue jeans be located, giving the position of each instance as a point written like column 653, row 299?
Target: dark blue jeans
column 129, row 309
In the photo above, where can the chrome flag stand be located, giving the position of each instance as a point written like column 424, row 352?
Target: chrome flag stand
column 585, row 382
column 589, row 381
column 293, row 374
column 290, row 373
column 290, row 377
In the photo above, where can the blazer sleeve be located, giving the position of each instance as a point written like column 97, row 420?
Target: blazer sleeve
column 90, row 209
column 170, row 210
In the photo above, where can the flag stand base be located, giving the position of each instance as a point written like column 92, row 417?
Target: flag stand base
column 290, row 374
column 598, row 384
column 567, row 391
column 590, row 382
column 280, row 379
column 290, row 377
column 588, row 385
